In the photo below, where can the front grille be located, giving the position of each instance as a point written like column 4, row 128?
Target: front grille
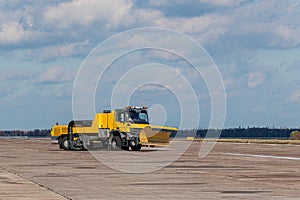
column 135, row 131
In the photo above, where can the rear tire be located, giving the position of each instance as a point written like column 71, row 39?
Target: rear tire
column 63, row 143
column 116, row 143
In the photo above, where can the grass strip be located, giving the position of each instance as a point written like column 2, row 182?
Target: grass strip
column 249, row 141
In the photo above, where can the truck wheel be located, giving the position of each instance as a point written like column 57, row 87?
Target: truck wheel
column 116, row 143
column 136, row 148
column 63, row 143
column 60, row 143
column 125, row 148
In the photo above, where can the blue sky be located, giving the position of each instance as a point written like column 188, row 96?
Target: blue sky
column 255, row 45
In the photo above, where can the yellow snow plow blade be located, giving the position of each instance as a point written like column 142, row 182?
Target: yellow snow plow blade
column 156, row 136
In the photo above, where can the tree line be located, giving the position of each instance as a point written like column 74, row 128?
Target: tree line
column 22, row 133
column 243, row 133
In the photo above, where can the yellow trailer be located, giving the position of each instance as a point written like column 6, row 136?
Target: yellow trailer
column 126, row 128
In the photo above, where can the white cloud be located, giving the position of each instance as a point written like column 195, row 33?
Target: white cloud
column 86, row 12
column 57, row 74
column 207, row 29
column 145, row 17
column 61, row 51
column 272, row 23
column 228, row 82
column 13, row 32
column 160, row 2
column 255, row 79
column 267, row 24
column 295, row 97
column 16, row 74
column 122, row 15
column 289, row 35
column 223, row 2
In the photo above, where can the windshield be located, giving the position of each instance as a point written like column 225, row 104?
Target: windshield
column 139, row 116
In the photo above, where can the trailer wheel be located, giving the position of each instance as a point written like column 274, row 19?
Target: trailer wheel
column 63, row 143
column 116, row 143
column 136, row 148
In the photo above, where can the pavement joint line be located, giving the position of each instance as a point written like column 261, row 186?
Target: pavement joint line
column 263, row 156
column 36, row 183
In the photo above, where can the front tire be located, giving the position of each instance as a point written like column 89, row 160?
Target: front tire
column 125, row 148
column 136, row 148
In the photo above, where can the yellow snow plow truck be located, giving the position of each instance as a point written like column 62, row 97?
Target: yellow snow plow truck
column 126, row 128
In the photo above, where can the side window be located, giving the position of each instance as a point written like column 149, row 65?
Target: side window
column 126, row 117
column 122, row 117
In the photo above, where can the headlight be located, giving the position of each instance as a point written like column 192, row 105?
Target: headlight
column 132, row 143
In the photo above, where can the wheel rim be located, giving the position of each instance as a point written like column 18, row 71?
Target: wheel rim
column 114, row 144
column 66, row 143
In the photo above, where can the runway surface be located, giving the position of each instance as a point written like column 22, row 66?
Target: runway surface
column 37, row 169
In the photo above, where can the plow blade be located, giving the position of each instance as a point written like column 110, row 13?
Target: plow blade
column 154, row 137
